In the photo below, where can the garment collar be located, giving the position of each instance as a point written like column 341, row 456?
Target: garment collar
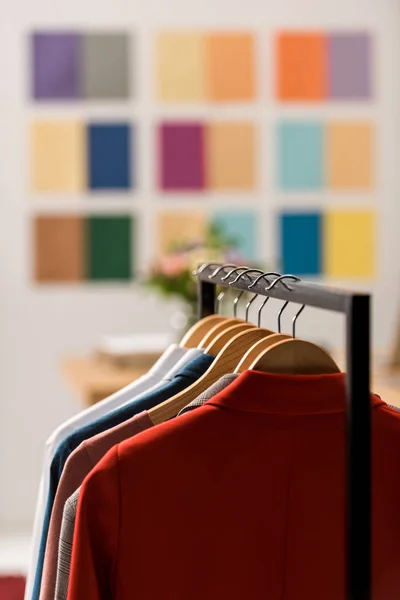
column 167, row 360
column 185, row 359
column 255, row 391
column 196, row 367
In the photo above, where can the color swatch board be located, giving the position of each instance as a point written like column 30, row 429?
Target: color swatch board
column 76, row 249
column 251, row 174
column 74, row 65
column 333, row 243
column 71, row 157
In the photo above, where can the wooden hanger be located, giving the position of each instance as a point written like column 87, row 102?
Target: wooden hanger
column 218, row 343
column 199, row 330
column 227, row 323
column 196, row 333
column 256, row 350
column 217, row 329
column 295, row 357
column 225, row 362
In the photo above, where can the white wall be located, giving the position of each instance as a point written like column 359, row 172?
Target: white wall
column 40, row 326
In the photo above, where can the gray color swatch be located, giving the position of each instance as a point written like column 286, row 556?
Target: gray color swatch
column 106, row 66
column 350, row 66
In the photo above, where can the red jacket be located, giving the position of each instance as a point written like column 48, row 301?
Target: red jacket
column 242, row 499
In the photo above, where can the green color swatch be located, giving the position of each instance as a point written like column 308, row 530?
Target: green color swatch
column 109, row 252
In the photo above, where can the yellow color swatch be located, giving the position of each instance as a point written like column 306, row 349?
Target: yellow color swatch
column 231, row 66
column 178, row 228
column 349, row 243
column 58, row 156
column 350, row 155
column 180, row 67
column 230, row 156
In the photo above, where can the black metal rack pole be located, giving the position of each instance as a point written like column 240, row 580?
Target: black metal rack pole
column 356, row 307
column 358, row 549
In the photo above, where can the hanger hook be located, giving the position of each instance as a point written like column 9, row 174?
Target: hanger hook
column 268, row 274
column 280, row 316
column 235, row 270
column 241, row 293
column 236, row 300
column 235, row 303
column 260, row 309
column 205, row 266
column 245, row 273
column 250, row 302
column 218, row 301
column 262, row 305
column 280, row 279
column 273, row 284
column 295, row 319
column 220, row 268
column 220, row 296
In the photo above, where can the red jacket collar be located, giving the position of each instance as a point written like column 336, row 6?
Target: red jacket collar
column 255, row 391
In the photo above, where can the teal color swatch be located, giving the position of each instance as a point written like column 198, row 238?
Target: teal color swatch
column 109, row 251
column 300, row 243
column 241, row 226
column 301, row 156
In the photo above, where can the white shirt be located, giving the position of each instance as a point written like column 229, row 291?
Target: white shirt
column 172, row 360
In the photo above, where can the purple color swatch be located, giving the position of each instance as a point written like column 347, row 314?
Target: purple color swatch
column 350, row 76
column 56, row 66
column 181, row 156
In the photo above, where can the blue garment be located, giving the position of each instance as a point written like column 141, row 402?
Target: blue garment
column 185, row 377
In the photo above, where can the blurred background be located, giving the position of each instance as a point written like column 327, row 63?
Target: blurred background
column 142, row 138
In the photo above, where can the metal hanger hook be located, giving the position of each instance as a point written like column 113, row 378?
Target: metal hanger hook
column 220, row 268
column 260, row 309
column 218, row 301
column 262, row 305
column 273, row 284
column 235, row 270
column 280, row 279
column 245, row 273
column 266, row 275
column 236, row 300
column 295, row 319
column 280, row 316
column 250, row 302
column 220, row 296
column 235, row 303
column 205, row 266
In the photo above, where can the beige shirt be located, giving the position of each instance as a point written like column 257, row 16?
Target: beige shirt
column 77, row 467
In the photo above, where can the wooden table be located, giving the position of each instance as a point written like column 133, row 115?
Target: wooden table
column 94, row 378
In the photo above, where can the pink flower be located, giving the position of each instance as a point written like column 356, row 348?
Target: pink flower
column 173, row 265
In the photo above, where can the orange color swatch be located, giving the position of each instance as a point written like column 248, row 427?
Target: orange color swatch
column 231, row 66
column 301, row 66
column 350, row 155
column 231, row 156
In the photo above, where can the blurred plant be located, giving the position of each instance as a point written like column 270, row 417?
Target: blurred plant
column 172, row 275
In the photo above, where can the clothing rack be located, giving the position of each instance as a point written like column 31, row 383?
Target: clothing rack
column 356, row 308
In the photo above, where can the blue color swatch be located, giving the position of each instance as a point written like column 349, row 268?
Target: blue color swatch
column 241, row 227
column 301, row 242
column 109, row 148
column 300, row 154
